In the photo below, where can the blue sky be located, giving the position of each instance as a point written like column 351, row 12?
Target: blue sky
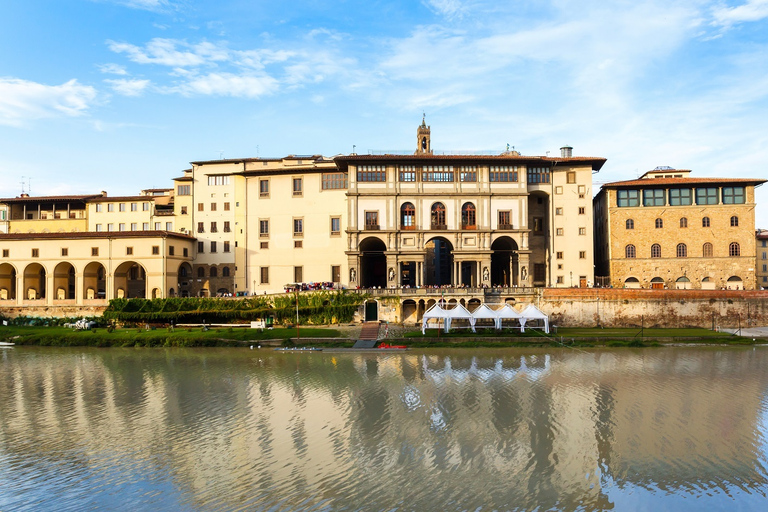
column 120, row 95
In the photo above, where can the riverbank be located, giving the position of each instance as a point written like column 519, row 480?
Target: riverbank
column 345, row 336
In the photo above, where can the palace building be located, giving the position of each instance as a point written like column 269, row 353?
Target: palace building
column 668, row 229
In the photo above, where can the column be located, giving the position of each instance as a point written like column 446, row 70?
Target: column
column 50, row 292
column 79, row 284
column 20, row 288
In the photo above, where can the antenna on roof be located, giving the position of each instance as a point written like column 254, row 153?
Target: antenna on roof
column 257, row 151
column 221, row 155
column 22, row 184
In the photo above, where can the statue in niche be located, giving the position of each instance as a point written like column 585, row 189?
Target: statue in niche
column 524, row 274
column 352, row 275
column 486, row 275
column 391, row 274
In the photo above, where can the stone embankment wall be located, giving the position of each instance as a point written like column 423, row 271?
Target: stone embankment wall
column 608, row 307
column 52, row 311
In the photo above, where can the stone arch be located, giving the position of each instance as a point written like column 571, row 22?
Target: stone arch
column 64, row 281
column 184, row 275
column 707, row 283
column 504, row 260
column 94, row 281
column 735, row 283
column 373, row 263
column 683, row 283
column 34, row 281
column 657, row 283
column 631, row 282
column 473, row 304
column 438, row 261
column 130, row 280
column 410, row 311
column 7, row 281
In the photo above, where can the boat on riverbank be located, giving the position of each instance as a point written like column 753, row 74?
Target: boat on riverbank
column 7, row 344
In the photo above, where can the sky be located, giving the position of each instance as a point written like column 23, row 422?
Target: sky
column 120, row 95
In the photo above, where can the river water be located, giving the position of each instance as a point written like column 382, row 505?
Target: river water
column 442, row 429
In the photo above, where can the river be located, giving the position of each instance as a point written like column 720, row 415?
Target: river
column 444, row 429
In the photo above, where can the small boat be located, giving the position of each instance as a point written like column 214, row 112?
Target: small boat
column 298, row 349
column 6, row 344
column 388, row 346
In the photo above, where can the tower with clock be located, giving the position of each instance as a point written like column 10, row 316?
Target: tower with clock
column 423, row 142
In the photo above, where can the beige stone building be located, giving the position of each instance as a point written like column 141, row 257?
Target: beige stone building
column 668, row 229
column 761, row 263
column 469, row 220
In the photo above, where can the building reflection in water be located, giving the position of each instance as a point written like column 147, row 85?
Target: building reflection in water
column 226, row 429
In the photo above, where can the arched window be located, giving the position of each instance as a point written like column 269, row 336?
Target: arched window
column 734, row 249
column 630, row 224
column 468, row 216
column 629, row 251
column 438, row 216
column 200, row 272
column 734, row 221
column 214, row 272
column 683, row 222
column 407, row 216
column 705, row 222
column 682, row 251
column 225, row 272
column 707, row 250
column 659, row 223
column 655, row 251
column 183, row 272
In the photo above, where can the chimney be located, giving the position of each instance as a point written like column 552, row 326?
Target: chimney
column 566, row 152
column 104, row 193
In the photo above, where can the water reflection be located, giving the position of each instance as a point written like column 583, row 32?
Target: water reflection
column 439, row 430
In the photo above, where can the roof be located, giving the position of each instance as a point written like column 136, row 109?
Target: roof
column 93, row 235
column 48, row 199
column 653, row 182
column 184, row 178
column 762, row 234
column 257, row 159
column 596, row 162
column 109, row 199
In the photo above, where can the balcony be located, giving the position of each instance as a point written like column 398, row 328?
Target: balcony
column 436, row 227
column 372, row 227
column 505, row 227
column 408, row 228
column 469, row 226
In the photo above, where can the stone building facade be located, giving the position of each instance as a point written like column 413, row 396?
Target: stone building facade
column 670, row 230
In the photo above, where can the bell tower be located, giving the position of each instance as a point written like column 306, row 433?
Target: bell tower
column 423, row 142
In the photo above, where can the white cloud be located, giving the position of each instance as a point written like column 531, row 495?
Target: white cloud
column 22, row 101
column 164, row 52
column 146, row 5
column 128, row 87
column 447, row 8
column 227, row 84
column 753, row 10
column 113, row 69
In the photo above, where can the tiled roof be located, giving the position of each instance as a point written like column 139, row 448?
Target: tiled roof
column 110, row 199
column 47, row 199
column 93, row 235
column 650, row 182
column 597, row 162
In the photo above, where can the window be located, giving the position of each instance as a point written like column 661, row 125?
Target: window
column 298, row 244
column 121, row 226
column 145, row 226
column 214, row 272
column 226, row 206
column 505, row 219
column 298, row 186
column 503, row 174
column 582, row 191
column 334, row 181
column 98, row 207
column 155, row 249
column 377, row 173
column 298, row 227
column 539, row 272
column 145, row 207
column 558, row 190
column 6, row 253
column 406, row 173
column 437, row 173
column 582, row 210
column 200, row 207
column 683, row 222
column 184, row 190
column 213, row 247
column 158, row 226
column 94, row 251
column 705, row 222
column 653, row 197
column 134, row 226
column 559, row 255
column 298, row 274
column 214, row 228
column 468, row 216
column 560, row 279
column 655, row 251
column 706, row 195
column 680, row 197
column 538, row 225
column 225, row 272
column 630, row 224
column 121, row 207
column 226, row 246
column 630, row 251
column 371, row 220
column 765, row 268
column 582, row 255
column 111, row 207
column 625, row 198
column 218, row 180
column 263, row 188
column 264, row 245
column 659, row 223
column 201, row 227
column 682, row 251
column 200, row 247
column 571, row 177
column 185, row 252
column 733, row 195
column 64, row 251
column 734, row 249
column 335, row 225
column 264, row 275
column 213, row 207
column 559, row 231
column 134, row 207
column 200, row 272
column 335, row 273
column 582, row 231
column 263, row 228
column 707, row 250
column 558, row 211
column 169, row 226
column 438, row 216
column 734, row 221
column 110, row 227
column 468, row 173
column 99, row 227
column 171, row 250
column 765, row 255
column 538, row 175
column 226, row 226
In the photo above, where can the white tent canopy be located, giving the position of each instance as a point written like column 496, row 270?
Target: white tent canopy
column 434, row 313
column 507, row 312
column 533, row 313
column 458, row 313
column 484, row 311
